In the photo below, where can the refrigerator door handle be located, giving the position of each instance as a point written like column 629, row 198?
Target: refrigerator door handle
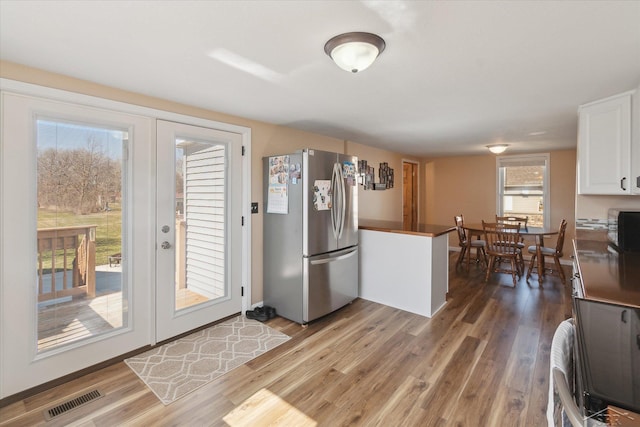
column 343, row 201
column 334, row 195
column 332, row 259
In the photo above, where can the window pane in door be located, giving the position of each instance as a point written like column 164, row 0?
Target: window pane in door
column 79, row 264
column 200, row 222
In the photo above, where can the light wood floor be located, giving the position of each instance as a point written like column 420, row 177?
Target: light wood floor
column 483, row 360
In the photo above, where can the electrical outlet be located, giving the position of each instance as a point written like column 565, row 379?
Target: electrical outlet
column 254, row 207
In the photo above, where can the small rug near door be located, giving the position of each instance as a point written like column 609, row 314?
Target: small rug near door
column 180, row 367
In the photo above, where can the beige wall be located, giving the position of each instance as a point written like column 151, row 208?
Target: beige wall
column 467, row 185
column 461, row 184
column 375, row 204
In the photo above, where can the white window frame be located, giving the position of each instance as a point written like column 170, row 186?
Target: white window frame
column 520, row 159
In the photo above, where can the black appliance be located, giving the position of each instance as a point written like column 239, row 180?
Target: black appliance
column 624, row 229
column 607, row 356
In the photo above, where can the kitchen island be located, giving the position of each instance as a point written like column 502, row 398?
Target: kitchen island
column 408, row 270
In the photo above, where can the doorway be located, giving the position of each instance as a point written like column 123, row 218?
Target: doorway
column 409, row 196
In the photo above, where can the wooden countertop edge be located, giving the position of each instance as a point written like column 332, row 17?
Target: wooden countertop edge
column 610, row 301
column 574, row 245
column 413, row 233
column 584, row 289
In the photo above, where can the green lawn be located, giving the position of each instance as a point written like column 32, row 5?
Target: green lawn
column 108, row 231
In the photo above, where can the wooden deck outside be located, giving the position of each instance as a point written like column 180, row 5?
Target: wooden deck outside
column 95, row 305
column 79, row 318
column 84, row 317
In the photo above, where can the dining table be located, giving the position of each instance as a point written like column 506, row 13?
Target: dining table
column 538, row 233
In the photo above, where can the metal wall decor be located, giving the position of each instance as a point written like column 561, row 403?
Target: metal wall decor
column 367, row 175
column 386, row 175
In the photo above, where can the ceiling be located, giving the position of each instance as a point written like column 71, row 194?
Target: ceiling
column 455, row 75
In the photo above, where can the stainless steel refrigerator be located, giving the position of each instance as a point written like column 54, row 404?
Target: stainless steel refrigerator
column 310, row 245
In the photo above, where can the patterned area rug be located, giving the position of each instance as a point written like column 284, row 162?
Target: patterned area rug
column 180, row 367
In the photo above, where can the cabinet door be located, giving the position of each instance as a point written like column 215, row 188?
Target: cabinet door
column 611, row 356
column 635, row 143
column 604, row 147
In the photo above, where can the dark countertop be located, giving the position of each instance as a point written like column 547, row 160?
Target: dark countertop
column 428, row 230
column 608, row 275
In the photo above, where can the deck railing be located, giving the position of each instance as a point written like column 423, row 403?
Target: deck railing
column 77, row 248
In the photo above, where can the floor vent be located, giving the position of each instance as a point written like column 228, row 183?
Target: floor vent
column 72, row 404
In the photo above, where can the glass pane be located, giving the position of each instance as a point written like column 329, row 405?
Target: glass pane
column 524, row 193
column 79, row 259
column 200, row 222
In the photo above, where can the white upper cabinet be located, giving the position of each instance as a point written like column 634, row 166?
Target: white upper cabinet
column 635, row 143
column 604, row 146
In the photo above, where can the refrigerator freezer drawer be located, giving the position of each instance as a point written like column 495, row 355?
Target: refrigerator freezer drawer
column 330, row 282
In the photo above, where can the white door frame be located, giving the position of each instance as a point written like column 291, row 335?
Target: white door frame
column 50, row 94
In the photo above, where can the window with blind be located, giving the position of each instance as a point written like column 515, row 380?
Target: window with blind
column 523, row 187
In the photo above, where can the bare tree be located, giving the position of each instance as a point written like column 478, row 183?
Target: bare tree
column 80, row 180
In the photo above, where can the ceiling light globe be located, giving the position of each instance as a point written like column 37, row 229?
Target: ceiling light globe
column 497, row 148
column 354, row 56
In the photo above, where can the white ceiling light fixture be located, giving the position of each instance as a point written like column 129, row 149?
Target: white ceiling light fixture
column 497, row 148
column 355, row 51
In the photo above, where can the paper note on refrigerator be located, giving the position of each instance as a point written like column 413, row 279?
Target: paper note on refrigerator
column 349, row 172
column 277, row 196
column 322, row 195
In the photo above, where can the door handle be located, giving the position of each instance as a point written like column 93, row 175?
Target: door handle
column 165, row 245
column 334, row 200
column 343, row 200
column 622, row 183
column 333, row 259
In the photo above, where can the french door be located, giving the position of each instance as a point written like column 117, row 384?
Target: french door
column 198, row 226
column 118, row 231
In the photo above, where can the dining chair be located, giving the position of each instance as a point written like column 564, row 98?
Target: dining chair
column 523, row 221
column 502, row 246
column 466, row 245
column 510, row 219
column 556, row 253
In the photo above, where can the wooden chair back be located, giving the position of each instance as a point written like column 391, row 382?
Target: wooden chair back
column 502, row 239
column 513, row 220
column 462, row 236
column 561, row 233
